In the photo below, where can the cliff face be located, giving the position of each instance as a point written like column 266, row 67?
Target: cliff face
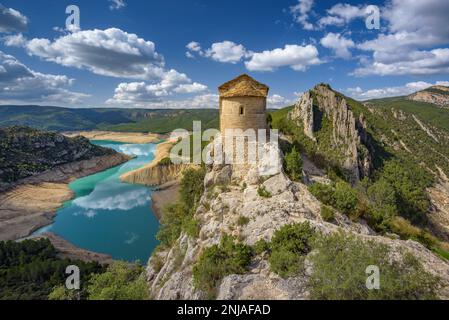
column 169, row 271
column 155, row 174
column 348, row 137
column 438, row 95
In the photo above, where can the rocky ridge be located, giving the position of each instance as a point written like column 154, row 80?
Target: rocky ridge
column 169, row 271
column 348, row 136
column 438, row 95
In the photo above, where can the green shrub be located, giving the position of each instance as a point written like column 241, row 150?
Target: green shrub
column 242, row 220
column 324, row 193
column 288, row 246
column 339, row 271
column 165, row 161
column 171, row 224
column 346, row 198
column 192, row 187
column 293, row 164
column 409, row 183
column 219, row 261
column 264, row 193
column 32, row 269
column 121, row 281
column 178, row 216
column 261, row 246
column 327, row 213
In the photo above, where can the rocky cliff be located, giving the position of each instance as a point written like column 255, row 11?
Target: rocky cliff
column 438, row 95
column 323, row 110
column 169, row 271
column 157, row 173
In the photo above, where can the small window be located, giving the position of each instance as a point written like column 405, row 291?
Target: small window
column 241, row 111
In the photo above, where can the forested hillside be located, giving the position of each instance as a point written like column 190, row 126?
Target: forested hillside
column 135, row 120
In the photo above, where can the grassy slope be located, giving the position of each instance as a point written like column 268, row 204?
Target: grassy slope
column 435, row 115
column 138, row 120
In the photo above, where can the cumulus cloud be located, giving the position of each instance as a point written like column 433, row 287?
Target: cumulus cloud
column 294, row 56
column 341, row 14
column 277, row 101
column 111, row 52
column 194, row 46
column 412, row 43
column 339, row 44
column 134, row 100
column 20, row 84
column 301, row 12
column 116, row 4
column 225, row 51
column 414, row 63
column 12, row 20
column 409, row 88
column 141, row 93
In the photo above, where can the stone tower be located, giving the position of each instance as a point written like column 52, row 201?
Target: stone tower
column 243, row 104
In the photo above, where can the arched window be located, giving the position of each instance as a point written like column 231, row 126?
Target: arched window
column 241, row 111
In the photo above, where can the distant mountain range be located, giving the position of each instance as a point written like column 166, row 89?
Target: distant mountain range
column 134, row 120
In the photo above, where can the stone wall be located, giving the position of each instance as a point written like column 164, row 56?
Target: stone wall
column 254, row 116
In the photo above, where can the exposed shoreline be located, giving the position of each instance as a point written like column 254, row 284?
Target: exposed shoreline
column 32, row 203
column 124, row 137
column 67, row 250
column 165, row 178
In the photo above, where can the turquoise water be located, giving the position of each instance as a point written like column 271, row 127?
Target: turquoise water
column 109, row 216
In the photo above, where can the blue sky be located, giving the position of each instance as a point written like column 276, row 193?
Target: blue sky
column 173, row 54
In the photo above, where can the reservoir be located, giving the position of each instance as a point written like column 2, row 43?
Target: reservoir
column 109, row 216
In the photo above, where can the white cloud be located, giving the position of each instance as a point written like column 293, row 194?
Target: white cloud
column 409, row 88
column 225, row 51
column 207, row 100
column 190, row 88
column 294, row 56
column 194, row 46
column 414, row 63
column 301, row 12
column 277, row 101
column 339, row 44
column 19, row 84
column 111, row 52
column 143, row 94
column 341, row 14
column 412, row 44
column 12, row 20
column 117, row 4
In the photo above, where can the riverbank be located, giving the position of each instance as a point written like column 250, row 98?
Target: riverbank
column 165, row 177
column 67, row 250
column 125, row 137
column 31, row 203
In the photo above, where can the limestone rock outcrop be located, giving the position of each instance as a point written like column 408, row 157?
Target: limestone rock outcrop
column 437, row 95
column 170, row 270
column 348, row 137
